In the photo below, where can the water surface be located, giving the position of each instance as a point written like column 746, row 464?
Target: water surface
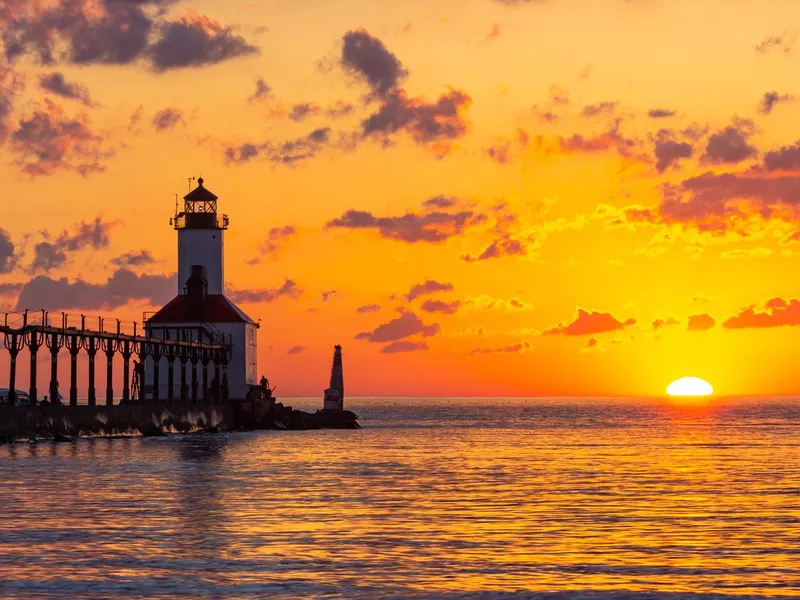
column 433, row 498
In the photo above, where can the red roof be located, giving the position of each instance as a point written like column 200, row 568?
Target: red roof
column 217, row 309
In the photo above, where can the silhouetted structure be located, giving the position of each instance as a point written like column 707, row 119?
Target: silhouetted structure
column 334, row 395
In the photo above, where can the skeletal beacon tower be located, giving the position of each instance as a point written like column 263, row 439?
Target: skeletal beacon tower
column 201, row 310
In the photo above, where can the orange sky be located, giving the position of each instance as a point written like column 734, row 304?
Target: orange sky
column 566, row 172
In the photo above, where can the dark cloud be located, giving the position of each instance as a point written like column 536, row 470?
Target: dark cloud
column 426, row 288
column 406, row 325
column 328, row 294
column 196, row 41
column 730, row 145
column 602, row 109
column 300, row 112
column 513, row 349
column 46, row 257
column 48, row 140
column 51, row 255
column 296, row 350
column 611, row 140
column 276, row 237
column 786, row 158
column 8, row 258
column 776, row 312
column 367, row 58
column 404, row 346
column 702, row 322
column 289, row 289
column 10, row 85
column 117, row 32
column 263, row 90
column 368, row 308
column 770, row 99
column 166, row 119
column 669, row 151
column 42, row 292
column 432, row 124
column 134, row 259
column 56, row 83
column 590, row 323
column 440, row 202
column 784, row 42
column 289, row 152
column 504, row 246
column 661, row 113
column 440, row 306
column 434, row 227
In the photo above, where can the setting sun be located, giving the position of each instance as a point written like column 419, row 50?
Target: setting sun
column 690, row 386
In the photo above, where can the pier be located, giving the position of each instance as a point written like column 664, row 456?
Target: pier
column 44, row 331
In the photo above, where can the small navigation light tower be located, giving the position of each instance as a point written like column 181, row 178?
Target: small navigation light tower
column 201, row 312
column 334, row 395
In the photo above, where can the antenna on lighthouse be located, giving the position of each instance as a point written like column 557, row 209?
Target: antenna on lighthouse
column 191, row 179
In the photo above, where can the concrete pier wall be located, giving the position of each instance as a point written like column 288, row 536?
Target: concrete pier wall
column 50, row 421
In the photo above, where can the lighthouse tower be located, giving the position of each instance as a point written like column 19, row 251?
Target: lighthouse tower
column 200, row 311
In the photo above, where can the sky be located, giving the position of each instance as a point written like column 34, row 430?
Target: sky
column 473, row 197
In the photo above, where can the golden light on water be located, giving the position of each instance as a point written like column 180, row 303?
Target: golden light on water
column 690, row 387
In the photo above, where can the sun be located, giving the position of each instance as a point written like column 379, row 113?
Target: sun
column 690, row 386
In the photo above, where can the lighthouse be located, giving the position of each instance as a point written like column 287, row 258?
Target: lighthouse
column 200, row 311
column 334, row 395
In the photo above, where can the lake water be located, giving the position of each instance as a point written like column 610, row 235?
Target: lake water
column 433, row 498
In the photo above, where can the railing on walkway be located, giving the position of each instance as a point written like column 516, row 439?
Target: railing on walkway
column 55, row 330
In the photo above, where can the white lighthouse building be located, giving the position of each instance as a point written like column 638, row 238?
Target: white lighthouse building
column 200, row 311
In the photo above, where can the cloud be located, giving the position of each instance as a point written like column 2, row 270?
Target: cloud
column 133, row 259
column 406, row 325
column 276, row 238
column 328, row 294
column 8, row 258
column 785, row 158
column 301, row 112
column 747, row 253
column 42, row 292
column 289, row 152
column 404, row 346
column 440, row 202
column 433, row 227
column 289, row 289
column 339, row 109
column 660, row 113
column 194, row 41
column 730, row 145
column 784, row 42
column 702, row 322
column 48, row 140
column 776, row 312
column 771, row 99
column 504, row 246
column 50, row 255
column 590, row 323
column 512, row 349
column 440, row 306
column 166, row 119
column 55, row 83
column 669, row 151
column 428, row 287
column 661, row 323
column 263, row 91
column 368, row 308
column 11, row 83
column 602, row 109
column 367, row 58
column 296, row 350
column 432, row 124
